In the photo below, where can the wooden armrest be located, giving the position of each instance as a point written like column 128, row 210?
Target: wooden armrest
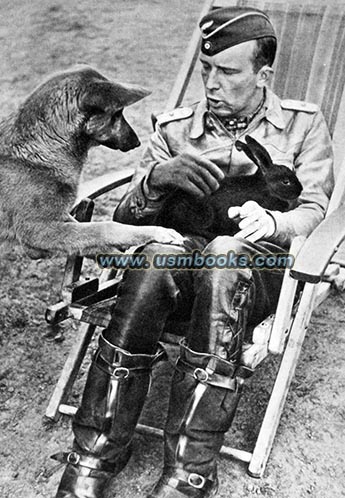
column 82, row 212
column 103, row 184
column 85, row 295
column 313, row 258
column 282, row 321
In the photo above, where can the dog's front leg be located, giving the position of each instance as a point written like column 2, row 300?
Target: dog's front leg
column 93, row 237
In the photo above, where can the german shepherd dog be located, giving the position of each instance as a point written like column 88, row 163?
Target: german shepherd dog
column 43, row 147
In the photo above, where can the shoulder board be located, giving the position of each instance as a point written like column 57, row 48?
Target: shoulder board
column 299, row 105
column 175, row 115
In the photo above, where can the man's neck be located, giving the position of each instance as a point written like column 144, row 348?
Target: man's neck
column 240, row 121
column 254, row 108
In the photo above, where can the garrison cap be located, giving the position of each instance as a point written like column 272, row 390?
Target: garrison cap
column 223, row 28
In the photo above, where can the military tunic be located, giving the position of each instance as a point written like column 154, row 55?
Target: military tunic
column 293, row 132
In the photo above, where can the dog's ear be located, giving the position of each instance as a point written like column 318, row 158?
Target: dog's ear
column 110, row 96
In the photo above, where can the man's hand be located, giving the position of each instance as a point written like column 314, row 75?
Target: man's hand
column 190, row 172
column 254, row 222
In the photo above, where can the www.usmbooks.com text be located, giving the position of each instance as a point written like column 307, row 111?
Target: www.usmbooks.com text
column 195, row 261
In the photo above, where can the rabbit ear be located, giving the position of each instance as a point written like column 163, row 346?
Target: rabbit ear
column 251, row 152
column 257, row 153
column 241, row 146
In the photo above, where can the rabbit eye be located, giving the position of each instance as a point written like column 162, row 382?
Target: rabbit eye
column 286, row 181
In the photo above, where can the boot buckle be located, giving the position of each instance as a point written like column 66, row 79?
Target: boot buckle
column 73, row 458
column 120, row 373
column 196, row 481
column 201, row 375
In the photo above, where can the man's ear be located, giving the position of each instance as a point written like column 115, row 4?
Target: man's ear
column 264, row 76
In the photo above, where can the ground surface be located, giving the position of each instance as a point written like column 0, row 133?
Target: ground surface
column 139, row 41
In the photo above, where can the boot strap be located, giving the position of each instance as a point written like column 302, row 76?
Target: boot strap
column 117, row 371
column 79, row 460
column 207, row 376
column 116, row 355
column 221, row 366
column 187, row 483
column 125, row 364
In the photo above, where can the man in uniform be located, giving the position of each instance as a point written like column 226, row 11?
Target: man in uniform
column 193, row 149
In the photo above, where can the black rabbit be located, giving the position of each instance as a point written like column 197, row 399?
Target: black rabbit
column 272, row 186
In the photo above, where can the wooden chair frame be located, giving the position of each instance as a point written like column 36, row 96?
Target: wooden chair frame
column 284, row 332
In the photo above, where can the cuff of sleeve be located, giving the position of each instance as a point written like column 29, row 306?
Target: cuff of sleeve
column 141, row 206
column 150, row 193
column 282, row 234
column 274, row 224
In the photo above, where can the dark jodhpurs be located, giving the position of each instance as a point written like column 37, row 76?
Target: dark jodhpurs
column 210, row 299
column 221, row 305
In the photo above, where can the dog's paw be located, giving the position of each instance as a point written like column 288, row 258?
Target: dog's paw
column 166, row 236
column 141, row 235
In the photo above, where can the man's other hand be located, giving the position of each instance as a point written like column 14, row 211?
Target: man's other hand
column 253, row 220
column 190, row 172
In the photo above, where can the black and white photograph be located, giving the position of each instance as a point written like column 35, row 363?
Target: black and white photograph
column 172, row 249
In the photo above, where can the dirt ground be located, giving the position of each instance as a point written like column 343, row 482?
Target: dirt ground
column 141, row 41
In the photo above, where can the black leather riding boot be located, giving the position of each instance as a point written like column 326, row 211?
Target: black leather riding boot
column 113, row 398
column 204, row 397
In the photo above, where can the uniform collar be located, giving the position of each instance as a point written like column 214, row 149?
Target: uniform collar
column 273, row 114
column 198, row 123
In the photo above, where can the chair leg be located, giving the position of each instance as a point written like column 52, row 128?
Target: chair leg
column 282, row 383
column 70, row 371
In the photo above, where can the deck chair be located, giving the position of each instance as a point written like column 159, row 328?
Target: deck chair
column 310, row 67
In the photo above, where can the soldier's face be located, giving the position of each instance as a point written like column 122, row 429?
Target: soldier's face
column 232, row 87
